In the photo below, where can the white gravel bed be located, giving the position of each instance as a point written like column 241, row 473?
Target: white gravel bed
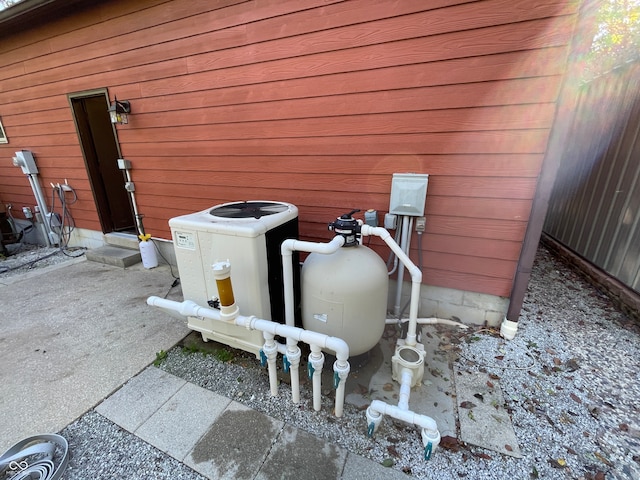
column 100, row 449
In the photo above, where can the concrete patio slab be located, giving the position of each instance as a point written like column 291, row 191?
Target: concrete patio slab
column 297, row 454
column 140, row 398
column 434, row 397
column 236, row 445
column 71, row 336
column 178, row 425
column 483, row 418
column 359, row 468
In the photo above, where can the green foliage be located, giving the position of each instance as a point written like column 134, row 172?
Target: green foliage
column 617, row 36
column 224, row 355
column 160, row 356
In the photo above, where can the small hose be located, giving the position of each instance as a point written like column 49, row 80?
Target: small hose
column 18, row 461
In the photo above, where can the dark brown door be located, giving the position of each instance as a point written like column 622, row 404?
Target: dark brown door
column 98, row 142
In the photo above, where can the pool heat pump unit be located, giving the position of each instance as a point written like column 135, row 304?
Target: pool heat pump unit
column 248, row 235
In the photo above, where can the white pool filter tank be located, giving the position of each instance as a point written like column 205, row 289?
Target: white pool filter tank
column 344, row 294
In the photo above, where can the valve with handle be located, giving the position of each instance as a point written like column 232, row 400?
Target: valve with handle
column 348, row 227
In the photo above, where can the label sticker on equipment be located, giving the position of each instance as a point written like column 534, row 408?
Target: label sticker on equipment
column 185, row 240
column 323, row 317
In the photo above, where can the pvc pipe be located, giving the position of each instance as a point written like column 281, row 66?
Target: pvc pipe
column 189, row 308
column 416, row 278
column 405, row 389
column 270, row 349
column 316, row 359
column 287, row 248
column 293, row 357
column 422, row 421
column 428, row 321
column 341, row 371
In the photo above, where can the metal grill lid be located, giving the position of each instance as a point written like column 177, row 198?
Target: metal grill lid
column 255, row 209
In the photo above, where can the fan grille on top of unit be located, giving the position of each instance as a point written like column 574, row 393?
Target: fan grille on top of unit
column 248, row 209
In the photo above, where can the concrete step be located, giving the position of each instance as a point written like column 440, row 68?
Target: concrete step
column 116, row 256
column 125, row 240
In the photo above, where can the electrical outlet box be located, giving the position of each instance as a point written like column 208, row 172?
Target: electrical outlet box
column 390, row 221
column 24, row 159
column 408, row 194
column 54, row 220
column 371, row 217
column 124, row 164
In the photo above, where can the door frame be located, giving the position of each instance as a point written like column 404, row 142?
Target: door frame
column 105, row 224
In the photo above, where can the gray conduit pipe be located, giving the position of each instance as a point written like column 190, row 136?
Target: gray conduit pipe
column 392, row 256
column 403, row 246
column 44, row 211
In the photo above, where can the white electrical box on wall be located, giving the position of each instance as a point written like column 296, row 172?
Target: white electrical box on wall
column 24, row 159
column 408, row 194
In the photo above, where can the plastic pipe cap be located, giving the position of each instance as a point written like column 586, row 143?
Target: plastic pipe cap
column 508, row 329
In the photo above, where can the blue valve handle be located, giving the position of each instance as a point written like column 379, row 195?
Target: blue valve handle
column 370, row 429
column 336, row 379
column 285, row 363
column 310, row 370
column 263, row 359
column 428, row 450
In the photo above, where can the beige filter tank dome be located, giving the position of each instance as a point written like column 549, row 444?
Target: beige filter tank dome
column 345, row 295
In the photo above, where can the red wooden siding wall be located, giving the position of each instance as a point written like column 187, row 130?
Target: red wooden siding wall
column 316, row 102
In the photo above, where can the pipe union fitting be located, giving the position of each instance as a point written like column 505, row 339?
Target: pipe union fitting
column 293, row 355
column 270, row 350
column 410, row 358
column 430, row 436
column 374, row 419
column 342, row 371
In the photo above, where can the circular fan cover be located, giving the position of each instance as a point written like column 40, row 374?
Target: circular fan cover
column 248, row 209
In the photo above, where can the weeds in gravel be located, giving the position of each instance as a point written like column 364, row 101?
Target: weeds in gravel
column 223, row 355
column 160, row 356
column 189, row 349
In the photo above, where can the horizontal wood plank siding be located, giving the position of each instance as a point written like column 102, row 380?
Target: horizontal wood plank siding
column 315, row 102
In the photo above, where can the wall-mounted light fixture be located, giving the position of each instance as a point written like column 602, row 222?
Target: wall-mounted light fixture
column 118, row 111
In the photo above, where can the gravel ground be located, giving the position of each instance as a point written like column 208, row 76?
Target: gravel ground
column 24, row 258
column 570, row 380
